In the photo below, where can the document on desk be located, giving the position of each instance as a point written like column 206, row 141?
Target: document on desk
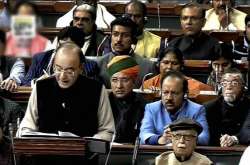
column 42, row 134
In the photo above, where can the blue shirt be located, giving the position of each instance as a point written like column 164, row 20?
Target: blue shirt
column 156, row 117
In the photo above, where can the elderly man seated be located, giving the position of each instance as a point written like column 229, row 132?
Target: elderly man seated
column 184, row 133
column 127, row 106
column 227, row 114
column 172, row 106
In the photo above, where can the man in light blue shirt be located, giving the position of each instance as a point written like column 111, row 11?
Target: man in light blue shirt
column 172, row 106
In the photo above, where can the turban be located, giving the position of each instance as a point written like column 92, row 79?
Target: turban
column 123, row 63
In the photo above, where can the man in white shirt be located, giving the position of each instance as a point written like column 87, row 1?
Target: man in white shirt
column 224, row 17
column 103, row 17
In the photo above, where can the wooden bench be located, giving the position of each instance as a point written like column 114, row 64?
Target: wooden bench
column 166, row 9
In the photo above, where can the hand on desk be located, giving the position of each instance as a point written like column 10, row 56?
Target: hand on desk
column 9, row 85
column 166, row 137
column 227, row 140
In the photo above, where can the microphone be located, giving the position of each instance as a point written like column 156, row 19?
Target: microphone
column 227, row 14
column 111, row 145
column 158, row 14
column 135, row 152
column 146, row 75
column 11, row 131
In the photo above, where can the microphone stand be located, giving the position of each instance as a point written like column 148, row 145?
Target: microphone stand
column 227, row 14
column 146, row 75
column 135, row 152
column 12, row 143
column 158, row 14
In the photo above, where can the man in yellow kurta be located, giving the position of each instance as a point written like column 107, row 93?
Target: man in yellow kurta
column 148, row 44
column 224, row 17
column 184, row 134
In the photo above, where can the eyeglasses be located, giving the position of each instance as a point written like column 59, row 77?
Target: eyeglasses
column 67, row 72
column 234, row 83
column 83, row 19
column 185, row 137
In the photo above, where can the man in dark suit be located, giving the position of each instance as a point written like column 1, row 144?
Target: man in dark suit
column 227, row 114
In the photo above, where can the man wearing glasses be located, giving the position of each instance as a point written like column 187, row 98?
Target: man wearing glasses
column 68, row 101
column 227, row 114
column 194, row 44
column 184, row 133
column 84, row 17
column 172, row 106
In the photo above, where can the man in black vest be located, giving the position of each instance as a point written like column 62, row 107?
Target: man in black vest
column 68, row 101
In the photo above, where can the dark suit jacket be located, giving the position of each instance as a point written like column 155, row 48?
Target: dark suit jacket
column 201, row 48
column 224, row 119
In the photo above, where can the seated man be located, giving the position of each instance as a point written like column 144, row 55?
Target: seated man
column 241, row 49
column 123, row 35
column 42, row 62
column 74, row 103
column 172, row 106
column 148, row 44
column 103, row 17
column 227, row 114
column 222, row 16
column 220, row 63
column 194, row 44
column 184, row 133
column 172, row 59
column 127, row 106
column 245, row 159
column 11, row 68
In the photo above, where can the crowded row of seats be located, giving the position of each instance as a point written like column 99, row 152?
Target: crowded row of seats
column 82, row 61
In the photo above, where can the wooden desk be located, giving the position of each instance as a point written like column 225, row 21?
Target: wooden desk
column 122, row 154
column 49, row 146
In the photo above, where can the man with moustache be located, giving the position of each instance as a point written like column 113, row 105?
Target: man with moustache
column 123, row 35
column 127, row 106
column 227, row 115
column 84, row 17
column 103, row 17
column 194, row 44
column 184, row 133
column 224, row 17
column 172, row 106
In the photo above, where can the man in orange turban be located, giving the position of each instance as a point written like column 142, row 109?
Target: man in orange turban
column 127, row 106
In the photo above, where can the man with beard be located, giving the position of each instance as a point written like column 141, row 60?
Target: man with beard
column 184, row 133
column 172, row 106
column 227, row 114
column 194, row 44
column 224, row 17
